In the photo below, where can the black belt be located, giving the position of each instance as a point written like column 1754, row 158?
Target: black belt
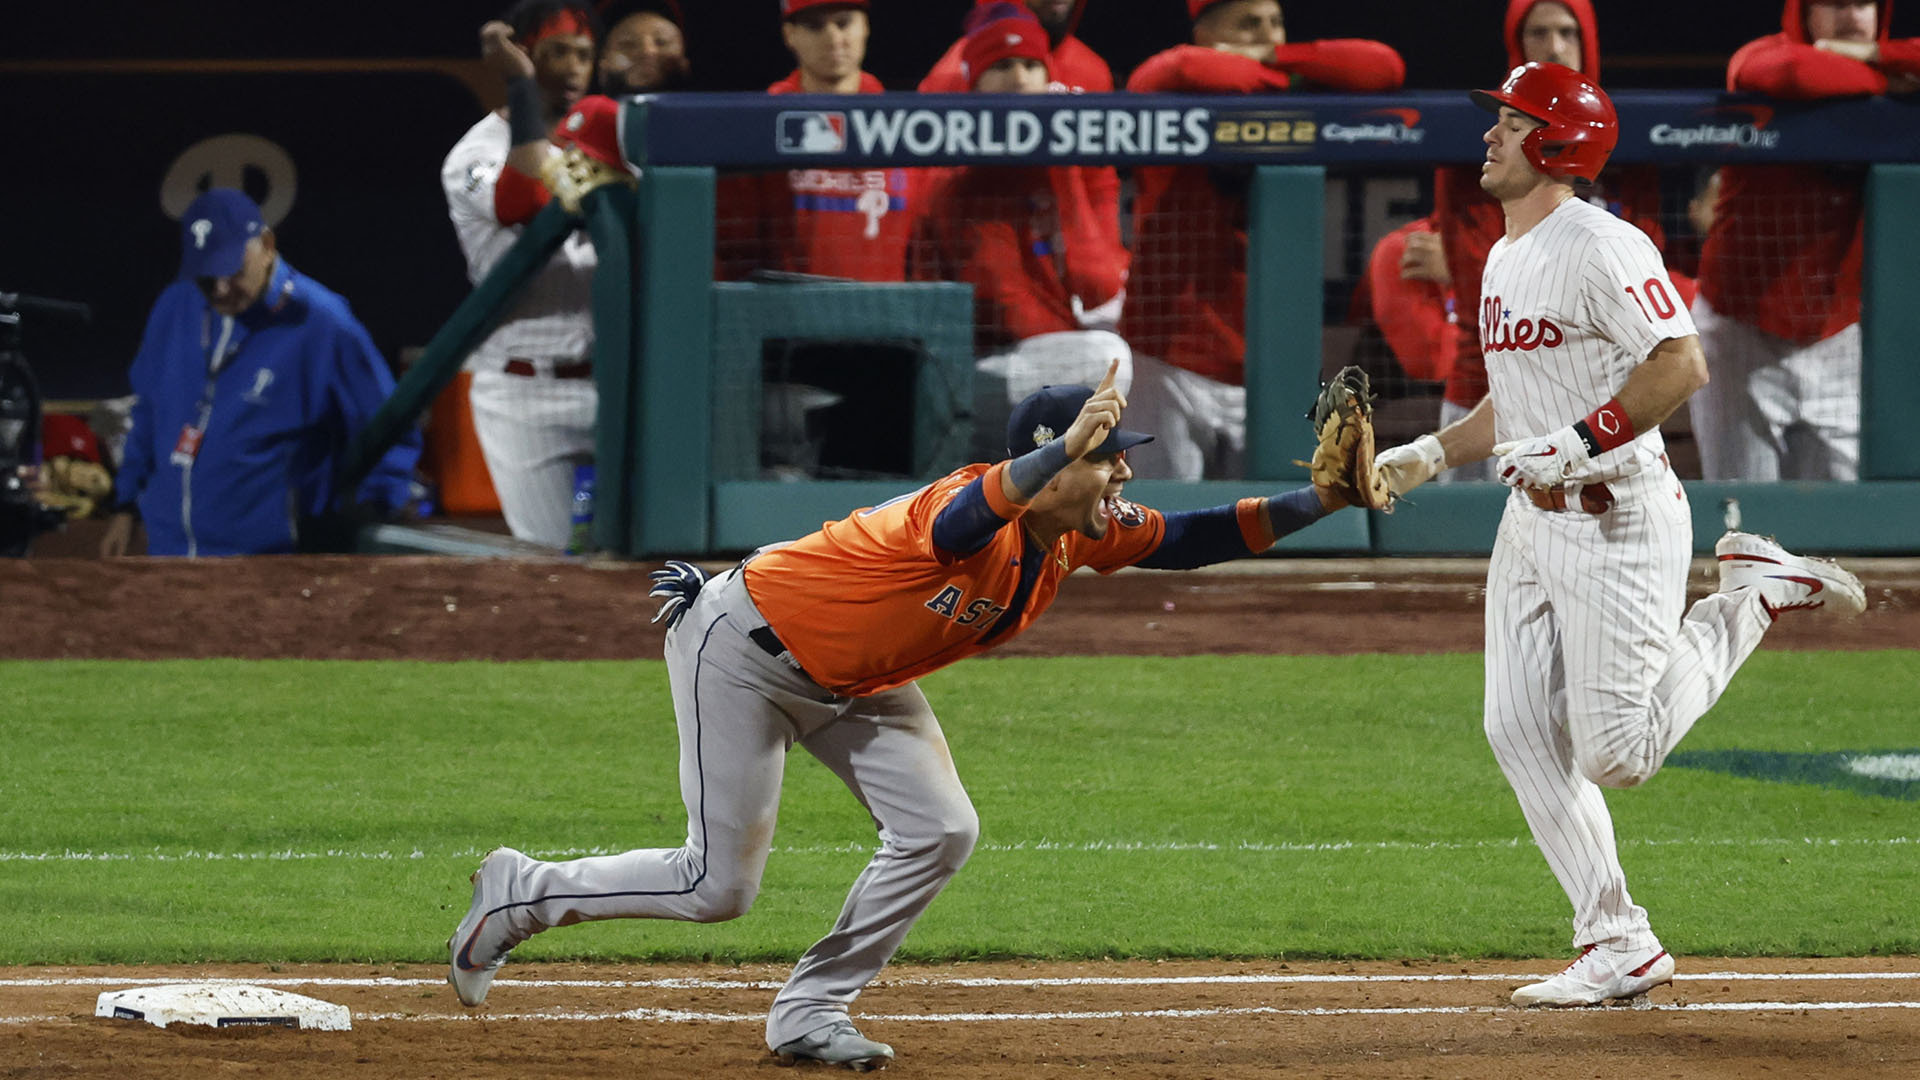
column 564, row 369
column 770, row 644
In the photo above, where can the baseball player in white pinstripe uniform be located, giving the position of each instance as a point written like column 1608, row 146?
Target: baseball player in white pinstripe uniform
column 533, row 396
column 1592, row 674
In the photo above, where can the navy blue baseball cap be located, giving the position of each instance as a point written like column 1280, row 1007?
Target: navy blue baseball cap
column 214, row 233
column 1048, row 412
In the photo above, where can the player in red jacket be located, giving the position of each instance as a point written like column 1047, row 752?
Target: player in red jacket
column 1040, row 247
column 1779, row 304
column 848, row 223
column 1186, row 308
column 1071, row 66
column 1468, row 222
column 1408, row 294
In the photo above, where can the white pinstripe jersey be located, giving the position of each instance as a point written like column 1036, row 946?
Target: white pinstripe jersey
column 1567, row 311
column 553, row 319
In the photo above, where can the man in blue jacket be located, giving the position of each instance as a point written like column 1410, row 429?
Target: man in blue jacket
column 250, row 380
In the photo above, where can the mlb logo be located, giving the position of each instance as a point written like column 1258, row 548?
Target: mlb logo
column 812, row 132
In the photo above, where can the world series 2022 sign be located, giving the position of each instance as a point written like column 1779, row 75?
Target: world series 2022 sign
column 1416, row 128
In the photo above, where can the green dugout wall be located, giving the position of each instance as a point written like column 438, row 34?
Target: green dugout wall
column 676, row 364
column 683, row 506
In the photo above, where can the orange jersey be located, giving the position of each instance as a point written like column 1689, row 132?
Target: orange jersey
column 868, row 603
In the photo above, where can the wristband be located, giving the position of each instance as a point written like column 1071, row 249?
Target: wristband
column 1605, row 428
column 526, row 114
column 1030, row 471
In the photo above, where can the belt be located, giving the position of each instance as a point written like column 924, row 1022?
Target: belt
column 771, row 644
column 565, row 369
column 768, row 641
column 1594, row 498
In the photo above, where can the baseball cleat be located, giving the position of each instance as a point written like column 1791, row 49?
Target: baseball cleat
column 836, row 1044
column 1600, row 974
column 1786, row 582
column 480, row 943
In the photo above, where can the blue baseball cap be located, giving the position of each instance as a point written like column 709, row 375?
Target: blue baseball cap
column 1048, row 412
column 214, row 233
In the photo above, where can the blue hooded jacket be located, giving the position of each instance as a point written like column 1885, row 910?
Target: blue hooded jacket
column 299, row 376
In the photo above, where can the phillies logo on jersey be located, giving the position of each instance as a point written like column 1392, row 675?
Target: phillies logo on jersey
column 1499, row 333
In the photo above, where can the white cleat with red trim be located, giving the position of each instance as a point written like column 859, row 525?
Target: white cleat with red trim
column 1787, row 582
column 1601, row 974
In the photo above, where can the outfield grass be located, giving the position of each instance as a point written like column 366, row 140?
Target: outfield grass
column 1255, row 806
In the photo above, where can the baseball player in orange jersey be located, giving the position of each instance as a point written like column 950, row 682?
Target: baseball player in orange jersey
column 1592, row 674
column 819, row 641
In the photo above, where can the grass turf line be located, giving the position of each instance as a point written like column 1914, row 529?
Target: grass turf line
column 1129, row 807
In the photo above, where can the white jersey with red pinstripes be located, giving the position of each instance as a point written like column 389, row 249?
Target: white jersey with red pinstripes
column 553, row 317
column 1567, row 311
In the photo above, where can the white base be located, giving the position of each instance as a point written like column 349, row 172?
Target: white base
column 223, row 1005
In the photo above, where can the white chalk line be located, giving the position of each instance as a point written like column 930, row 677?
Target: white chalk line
column 965, row 982
column 1043, row 845
column 682, row 1016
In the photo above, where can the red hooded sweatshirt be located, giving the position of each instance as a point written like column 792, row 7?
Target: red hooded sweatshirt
column 1028, row 240
column 1783, row 253
column 1469, row 220
column 1186, row 299
column 1076, row 69
column 851, row 223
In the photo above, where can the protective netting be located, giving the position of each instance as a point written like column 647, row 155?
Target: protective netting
column 1073, row 267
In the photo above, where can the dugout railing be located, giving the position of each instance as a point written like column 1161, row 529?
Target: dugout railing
column 657, row 304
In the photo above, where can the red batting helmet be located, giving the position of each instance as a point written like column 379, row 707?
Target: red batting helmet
column 1581, row 128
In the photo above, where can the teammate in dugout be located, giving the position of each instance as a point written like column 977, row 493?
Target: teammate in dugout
column 645, row 50
column 1779, row 305
column 1072, row 67
column 1040, row 245
column 846, row 223
column 533, row 395
column 1592, row 674
column 819, row 641
column 1186, row 303
column 1466, row 223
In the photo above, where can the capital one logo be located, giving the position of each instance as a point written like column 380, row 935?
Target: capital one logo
column 1752, row 134
column 1498, row 333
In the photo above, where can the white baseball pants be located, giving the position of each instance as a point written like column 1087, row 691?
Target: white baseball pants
column 533, row 430
column 1775, row 410
column 1199, row 425
column 1592, row 676
column 739, row 711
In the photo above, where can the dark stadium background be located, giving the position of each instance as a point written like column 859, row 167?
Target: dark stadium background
column 101, row 98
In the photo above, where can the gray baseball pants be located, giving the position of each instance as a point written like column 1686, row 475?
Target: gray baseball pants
column 740, row 709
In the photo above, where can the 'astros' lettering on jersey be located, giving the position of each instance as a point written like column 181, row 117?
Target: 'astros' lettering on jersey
column 1567, row 311
column 868, row 603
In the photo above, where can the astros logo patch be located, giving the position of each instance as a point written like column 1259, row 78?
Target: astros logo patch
column 1126, row 513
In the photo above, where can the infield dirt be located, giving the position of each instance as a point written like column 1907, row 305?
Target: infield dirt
column 409, row 1025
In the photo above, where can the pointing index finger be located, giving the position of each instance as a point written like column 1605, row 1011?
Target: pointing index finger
column 1113, row 368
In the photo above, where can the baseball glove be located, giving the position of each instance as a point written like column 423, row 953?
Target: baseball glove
column 1343, row 461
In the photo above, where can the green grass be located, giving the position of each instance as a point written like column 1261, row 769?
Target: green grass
column 1252, row 806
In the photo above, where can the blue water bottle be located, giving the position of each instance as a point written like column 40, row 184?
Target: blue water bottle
column 580, row 536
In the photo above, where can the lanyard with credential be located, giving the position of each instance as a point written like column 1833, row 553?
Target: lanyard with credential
column 219, row 354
